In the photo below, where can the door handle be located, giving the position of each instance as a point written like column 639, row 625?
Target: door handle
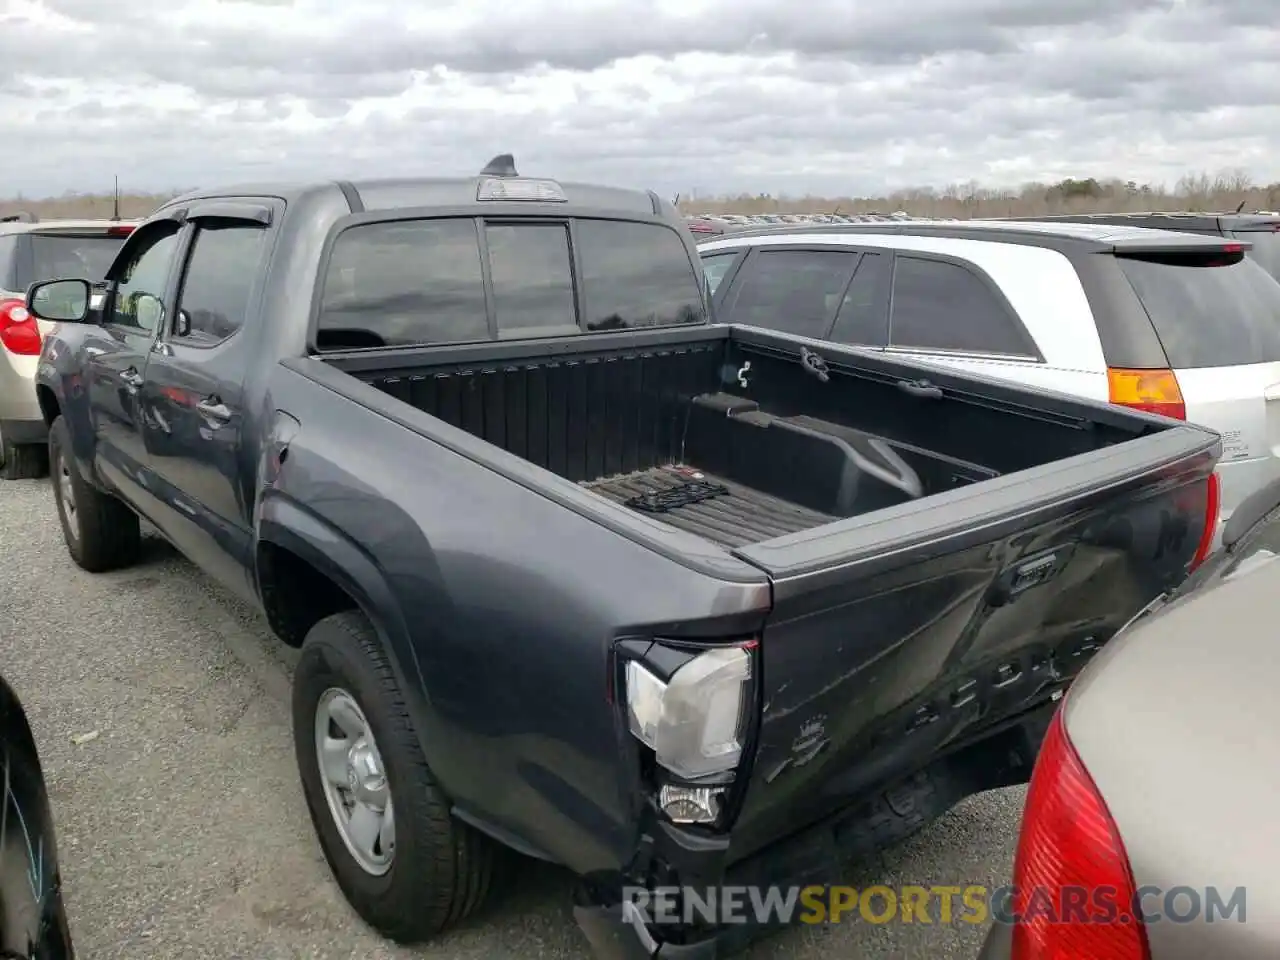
column 131, row 378
column 215, row 408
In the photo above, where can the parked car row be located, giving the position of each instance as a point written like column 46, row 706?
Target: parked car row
column 579, row 574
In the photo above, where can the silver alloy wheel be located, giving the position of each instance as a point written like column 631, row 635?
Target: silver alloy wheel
column 67, row 494
column 355, row 781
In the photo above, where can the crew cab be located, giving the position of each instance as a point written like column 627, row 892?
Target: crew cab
column 574, row 571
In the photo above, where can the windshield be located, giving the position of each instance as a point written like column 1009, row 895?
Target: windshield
column 1219, row 310
column 64, row 257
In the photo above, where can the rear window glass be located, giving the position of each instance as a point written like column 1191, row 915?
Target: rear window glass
column 532, row 275
column 420, row 282
column 637, row 275
column 404, row 283
column 66, row 257
column 1266, row 249
column 1216, row 311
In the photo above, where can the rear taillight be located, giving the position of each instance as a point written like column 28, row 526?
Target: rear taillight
column 18, row 330
column 1213, row 503
column 1233, row 248
column 1155, row 391
column 121, row 231
column 1074, row 892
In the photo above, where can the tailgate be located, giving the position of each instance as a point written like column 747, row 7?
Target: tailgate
column 897, row 634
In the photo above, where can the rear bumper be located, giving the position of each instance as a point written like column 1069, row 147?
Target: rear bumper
column 24, row 431
column 817, row 856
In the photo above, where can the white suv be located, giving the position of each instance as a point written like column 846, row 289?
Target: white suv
column 1172, row 323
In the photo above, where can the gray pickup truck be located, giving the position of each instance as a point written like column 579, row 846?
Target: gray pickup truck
column 577, row 572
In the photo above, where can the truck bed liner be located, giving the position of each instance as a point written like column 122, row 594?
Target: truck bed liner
column 720, row 510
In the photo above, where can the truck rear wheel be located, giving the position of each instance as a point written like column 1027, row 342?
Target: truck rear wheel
column 101, row 532
column 407, row 867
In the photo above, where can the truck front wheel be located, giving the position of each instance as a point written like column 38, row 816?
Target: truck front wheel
column 101, row 532
column 407, row 867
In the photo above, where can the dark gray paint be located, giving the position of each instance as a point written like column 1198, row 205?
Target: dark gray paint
column 903, row 604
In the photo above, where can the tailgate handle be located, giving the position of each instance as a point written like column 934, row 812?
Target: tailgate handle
column 1027, row 573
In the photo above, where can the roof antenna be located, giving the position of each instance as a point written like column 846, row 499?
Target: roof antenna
column 1241, row 207
column 115, row 200
column 503, row 165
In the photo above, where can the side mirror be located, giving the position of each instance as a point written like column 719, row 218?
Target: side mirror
column 61, row 301
column 148, row 311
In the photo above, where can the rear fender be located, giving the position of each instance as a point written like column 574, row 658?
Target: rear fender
column 285, row 523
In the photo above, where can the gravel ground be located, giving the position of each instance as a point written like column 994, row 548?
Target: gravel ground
column 182, row 825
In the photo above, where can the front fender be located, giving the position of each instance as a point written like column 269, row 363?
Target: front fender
column 62, row 389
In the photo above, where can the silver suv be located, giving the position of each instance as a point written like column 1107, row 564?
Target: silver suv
column 32, row 250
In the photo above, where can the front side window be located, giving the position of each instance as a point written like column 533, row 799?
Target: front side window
column 792, row 291
column 139, row 293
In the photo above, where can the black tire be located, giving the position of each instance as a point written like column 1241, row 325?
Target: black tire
column 441, row 869
column 33, row 921
column 106, row 534
column 23, row 461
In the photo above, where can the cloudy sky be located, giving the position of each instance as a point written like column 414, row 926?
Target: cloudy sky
column 832, row 97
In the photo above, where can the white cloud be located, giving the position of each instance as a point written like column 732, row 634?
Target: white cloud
column 824, row 96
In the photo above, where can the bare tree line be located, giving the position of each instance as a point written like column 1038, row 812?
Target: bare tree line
column 1220, row 192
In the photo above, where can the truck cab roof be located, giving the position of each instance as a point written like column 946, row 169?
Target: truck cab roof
column 497, row 182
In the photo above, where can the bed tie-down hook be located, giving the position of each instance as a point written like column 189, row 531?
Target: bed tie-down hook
column 742, row 374
column 814, row 364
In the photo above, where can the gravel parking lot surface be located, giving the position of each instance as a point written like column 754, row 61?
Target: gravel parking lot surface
column 181, row 822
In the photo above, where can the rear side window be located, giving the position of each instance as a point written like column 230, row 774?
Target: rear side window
column 792, row 291
column 636, row 275
column 943, row 306
column 1209, row 311
column 218, row 282
column 56, row 256
column 406, row 283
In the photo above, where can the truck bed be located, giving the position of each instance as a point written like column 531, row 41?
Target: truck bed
column 713, row 434
column 713, row 507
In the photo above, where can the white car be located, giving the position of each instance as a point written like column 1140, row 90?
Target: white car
column 1173, row 323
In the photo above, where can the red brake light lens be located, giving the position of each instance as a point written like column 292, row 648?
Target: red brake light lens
column 1233, row 248
column 1070, row 846
column 1213, row 503
column 18, row 331
column 120, row 231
